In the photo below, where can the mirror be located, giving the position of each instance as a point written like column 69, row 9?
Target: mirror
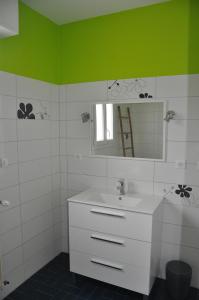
column 128, row 129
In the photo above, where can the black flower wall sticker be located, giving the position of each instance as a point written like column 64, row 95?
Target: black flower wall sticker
column 145, row 95
column 183, row 191
column 25, row 111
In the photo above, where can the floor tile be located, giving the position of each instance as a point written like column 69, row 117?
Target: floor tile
column 55, row 282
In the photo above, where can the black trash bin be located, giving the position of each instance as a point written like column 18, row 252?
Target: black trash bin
column 178, row 279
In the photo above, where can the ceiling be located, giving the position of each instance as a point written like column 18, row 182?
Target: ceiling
column 66, row 11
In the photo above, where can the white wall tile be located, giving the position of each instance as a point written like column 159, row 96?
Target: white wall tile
column 192, row 130
column 55, row 181
column 35, row 188
column 77, row 146
column 34, row 169
column 180, row 235
column 8, row 107
column 54, row 92
column 54, row 129
column 65, row 245
column 176, row 151
column 39, row 242
column 188, row 151
column 183, row 130
column 37, row 225
column 36, row 207
column 181, row 215
column 12, row 260
column 57, row 245
column 8, row 130
column 193, row 85
column 56, row 198
column 55, row 166
column 10, row 194
column 192, row 175
column 11, row 240
column 62, row 146
column 167, row 172
column 9, row 219
column 177, row 130
column 127, row 168
column 37, row 261
column 54, row 146
column 57, row 229
column 62, row 92
column 63, row 111
column 7, row 84
column 173, row 214
column 63, row 164
column 87, row 166
column 16, row 277
column 54, row 111
column 8, row 176
column 9, row 150
column 82, row 182
column 87, row 92
column 75, row 129
column 193, row 108
column 74, row 110
column 30, row 150
column 172, row 86
column 31, row 129
column 57, row 215
column 64, row 181
column 63, row 129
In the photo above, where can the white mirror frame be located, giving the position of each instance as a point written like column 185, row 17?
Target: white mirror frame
column 165, row 129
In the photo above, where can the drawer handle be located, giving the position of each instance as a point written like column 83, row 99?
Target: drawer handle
column 106, row 264
column 108, row 213
column 107, row 239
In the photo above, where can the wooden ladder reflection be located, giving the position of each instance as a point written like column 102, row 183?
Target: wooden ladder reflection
column 126, row 133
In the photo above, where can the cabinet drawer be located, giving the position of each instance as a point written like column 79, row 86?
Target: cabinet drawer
column 112, row 221
column 123, row 275
column 112, row 247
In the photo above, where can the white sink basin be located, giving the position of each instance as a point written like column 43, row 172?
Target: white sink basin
column 122, row 200
column 131, row 202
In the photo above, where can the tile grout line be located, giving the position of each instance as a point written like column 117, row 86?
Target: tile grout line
column 19, row 185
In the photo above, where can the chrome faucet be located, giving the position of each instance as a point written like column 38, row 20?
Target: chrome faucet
column 120, row 187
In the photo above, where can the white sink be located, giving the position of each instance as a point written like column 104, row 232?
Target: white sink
column 131, row 202
column 120, row 200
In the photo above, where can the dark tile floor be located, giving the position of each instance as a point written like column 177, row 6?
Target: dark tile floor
column 55, row 282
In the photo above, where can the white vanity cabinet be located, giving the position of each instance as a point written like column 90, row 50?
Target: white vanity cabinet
column 113, row 245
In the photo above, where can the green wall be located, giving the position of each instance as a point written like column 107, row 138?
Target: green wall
column 157, row 40
column 35, row 51
column 148, row 41
column 194, row 37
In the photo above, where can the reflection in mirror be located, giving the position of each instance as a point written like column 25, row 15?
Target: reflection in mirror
column 128, row 129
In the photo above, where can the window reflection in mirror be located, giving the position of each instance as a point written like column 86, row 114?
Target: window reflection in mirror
column 128, row 130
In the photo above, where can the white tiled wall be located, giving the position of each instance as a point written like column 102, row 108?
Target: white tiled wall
column 49, row 160
column 30, row 228
column 79, row 170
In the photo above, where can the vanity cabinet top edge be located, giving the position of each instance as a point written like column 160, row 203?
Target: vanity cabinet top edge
column 148, row 203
